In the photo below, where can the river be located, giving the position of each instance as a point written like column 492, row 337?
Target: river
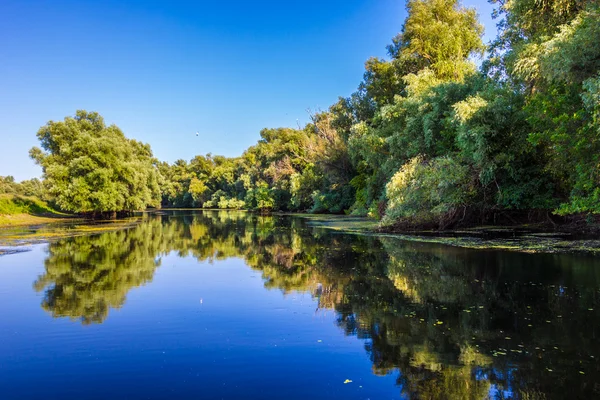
column 232, row 305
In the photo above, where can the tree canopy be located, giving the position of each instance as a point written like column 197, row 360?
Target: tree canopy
column 428, row 138
column 93, row 168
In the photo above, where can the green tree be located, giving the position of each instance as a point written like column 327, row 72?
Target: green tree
column 93, row 168
column 264, row 198
column 439, row 35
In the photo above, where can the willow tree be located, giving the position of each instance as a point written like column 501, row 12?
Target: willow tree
column 438, row 35
column 94, row 169
column 432, row 52
column 550, row 50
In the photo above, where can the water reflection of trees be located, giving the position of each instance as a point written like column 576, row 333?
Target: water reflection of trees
column 460, row 320
column 87, row 276
column 451, row 323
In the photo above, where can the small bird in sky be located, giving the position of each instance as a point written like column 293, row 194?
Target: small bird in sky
column 196, row 133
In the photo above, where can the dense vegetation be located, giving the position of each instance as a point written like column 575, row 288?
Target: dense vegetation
column 93, row 168
column 14, row 204
column 428, row 139
column 30, row 187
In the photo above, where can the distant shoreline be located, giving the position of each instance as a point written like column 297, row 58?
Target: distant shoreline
column 36, row 230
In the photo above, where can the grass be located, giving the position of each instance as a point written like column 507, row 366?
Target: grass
column 27, row 220
column 11, row 204
column 18, row 210
column 23, row 219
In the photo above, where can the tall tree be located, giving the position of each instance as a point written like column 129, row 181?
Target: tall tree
column 93, row 168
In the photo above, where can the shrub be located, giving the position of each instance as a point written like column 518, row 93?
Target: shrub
column 422, row 193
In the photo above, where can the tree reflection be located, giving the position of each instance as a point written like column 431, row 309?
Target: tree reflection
column 87, row 276
column 451, row 323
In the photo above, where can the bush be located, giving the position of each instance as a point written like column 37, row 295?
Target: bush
column 422, row 193
column 260, row 198
column 236, row 204
column 264, row 198
column 220, row 200
column 331, row 201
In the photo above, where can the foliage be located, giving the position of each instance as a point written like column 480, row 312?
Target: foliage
column 438, row 35
column 264, row 198
column 30, row 187
column 16, row 204
column 93, row 168
column 427, row 137
column 422, row 193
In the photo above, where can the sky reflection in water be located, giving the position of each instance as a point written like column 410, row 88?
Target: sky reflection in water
column 234, row 305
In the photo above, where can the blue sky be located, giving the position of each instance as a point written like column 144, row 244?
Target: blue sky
column 163, row 70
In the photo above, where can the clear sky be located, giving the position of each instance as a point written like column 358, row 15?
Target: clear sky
column 162, row 70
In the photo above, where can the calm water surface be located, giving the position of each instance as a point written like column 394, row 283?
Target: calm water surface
column 225, row 305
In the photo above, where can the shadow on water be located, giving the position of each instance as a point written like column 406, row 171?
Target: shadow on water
column 448, row 322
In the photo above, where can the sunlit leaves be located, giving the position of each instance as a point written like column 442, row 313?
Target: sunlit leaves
column 93, row 168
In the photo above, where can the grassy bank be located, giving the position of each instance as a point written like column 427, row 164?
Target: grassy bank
column 27, row 220
column 21, row 210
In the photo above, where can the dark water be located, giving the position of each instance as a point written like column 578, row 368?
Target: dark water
column 219, row 305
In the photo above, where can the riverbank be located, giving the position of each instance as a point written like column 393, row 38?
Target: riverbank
column 15, row 238
column 16, row 210
column 31, row 230
column 528, row 239
column 7, row 221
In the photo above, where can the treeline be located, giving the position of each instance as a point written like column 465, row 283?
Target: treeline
column 428, row 139
column 30, row 187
